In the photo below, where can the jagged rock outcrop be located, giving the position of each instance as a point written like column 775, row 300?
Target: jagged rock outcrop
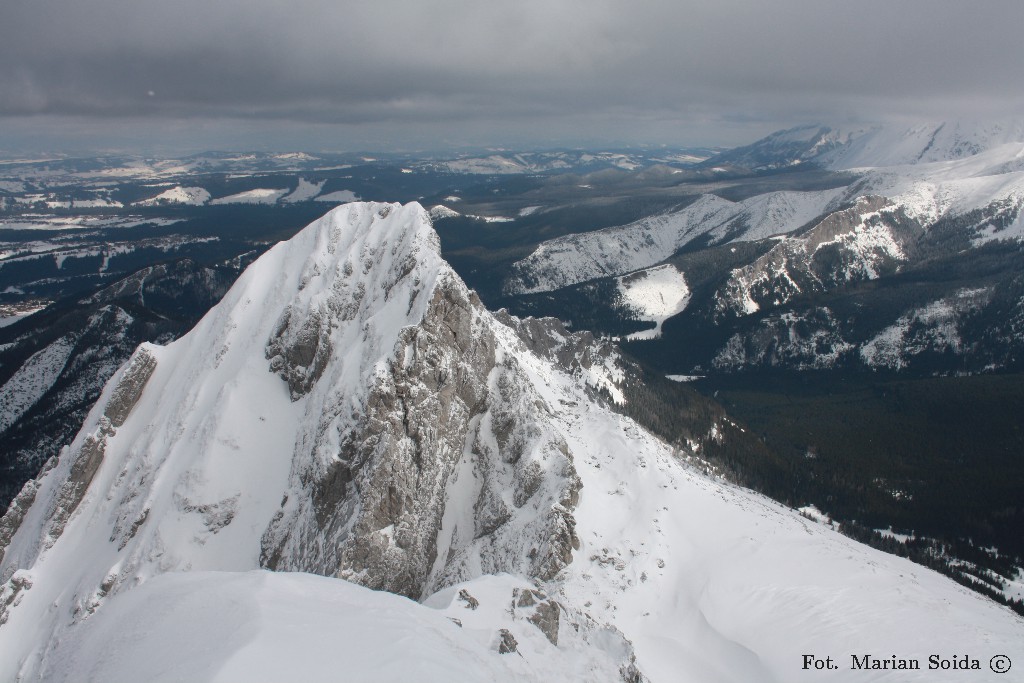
column 852, row 245
column 449, row 400
column 508, row 642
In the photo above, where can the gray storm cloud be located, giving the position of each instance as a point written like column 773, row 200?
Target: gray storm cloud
column 420, row 63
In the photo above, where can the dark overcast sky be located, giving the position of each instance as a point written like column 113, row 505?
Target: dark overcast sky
column 416, row 74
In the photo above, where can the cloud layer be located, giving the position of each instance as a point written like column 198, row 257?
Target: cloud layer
column 554, row 67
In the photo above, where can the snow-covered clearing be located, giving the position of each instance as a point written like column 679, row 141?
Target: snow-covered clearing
column 191, row 196
column 339, row 197
column 305, row 191
column 656, row 295
column 257, row 196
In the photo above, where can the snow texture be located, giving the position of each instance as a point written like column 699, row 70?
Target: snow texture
column 929, row 172
column 440, row 212
column 932, row 328
column 851, row 245
column 858, row 147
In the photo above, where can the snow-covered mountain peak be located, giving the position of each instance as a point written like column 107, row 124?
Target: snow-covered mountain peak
column 212, row 437
column 367, row 263
column 350, row 410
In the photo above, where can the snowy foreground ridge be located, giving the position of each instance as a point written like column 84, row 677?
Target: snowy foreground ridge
column 349, row 418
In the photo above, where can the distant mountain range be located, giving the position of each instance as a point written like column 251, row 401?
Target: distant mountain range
column 938, row 206
column 848, row 147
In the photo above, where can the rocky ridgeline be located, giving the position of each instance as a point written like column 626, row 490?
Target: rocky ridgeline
column 424, row 452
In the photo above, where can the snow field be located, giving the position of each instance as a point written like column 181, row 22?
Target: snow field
column 194, row 196
column 257, row 196
column 572, row 259
column 339, row 197
column 656, row 294
column 305, row 191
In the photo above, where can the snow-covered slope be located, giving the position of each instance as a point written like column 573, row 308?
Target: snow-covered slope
column 577, row 258
column 855, row 244
column 351, row 410
column 273, row 627
column 991, row 182
column 929, row 172
column 847, row 147
column 305, row 191
column 925, row 143
column 194, row 196
column 46, row 394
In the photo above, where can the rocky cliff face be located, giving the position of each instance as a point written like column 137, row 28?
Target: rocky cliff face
column 856, row 244
column 449, row 409
column 350, row 409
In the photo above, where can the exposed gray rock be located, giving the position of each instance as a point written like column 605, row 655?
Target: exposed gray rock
column 215, row 516
column 524, row 598
column 134, row 529
column 471, row 602
column 15, row 515
column 425, row 450
column 98, row 334
column 508, row 643
column 546, row 617
column 129, row 388
column 855, row 244
column 450, row 401
column 629, row 672
column 548, row 338
column 86, row 461
column 299, row 353
column 83, row 461
column 572, row 627
column 539, row 610
column 11, row 592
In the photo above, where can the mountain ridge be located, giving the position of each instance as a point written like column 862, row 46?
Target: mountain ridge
column 350, row 409
column 851, row 147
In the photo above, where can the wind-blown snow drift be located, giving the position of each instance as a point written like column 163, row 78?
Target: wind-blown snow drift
column 351, row 410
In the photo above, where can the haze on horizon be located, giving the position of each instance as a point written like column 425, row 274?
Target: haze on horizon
column 406, row 75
